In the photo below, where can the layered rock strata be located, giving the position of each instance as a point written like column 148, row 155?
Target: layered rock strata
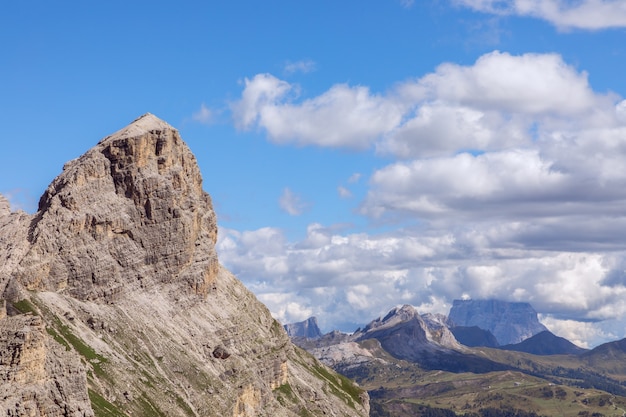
column 117, row 282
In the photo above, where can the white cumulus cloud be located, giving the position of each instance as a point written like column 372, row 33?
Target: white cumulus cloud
column 565, row 14
column 349, row 279
column 343, row 116
column 504, row 179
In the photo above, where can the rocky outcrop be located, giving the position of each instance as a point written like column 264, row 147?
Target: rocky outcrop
column 117, row 271
column 307, row 329
column 133, row 204
column 438, row 331
column 509, row 322
column 36, row 378
column 5, row 206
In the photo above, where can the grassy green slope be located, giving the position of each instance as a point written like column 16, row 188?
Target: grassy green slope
column 557, row 385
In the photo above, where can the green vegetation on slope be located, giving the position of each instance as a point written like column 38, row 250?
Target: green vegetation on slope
column 103, row 408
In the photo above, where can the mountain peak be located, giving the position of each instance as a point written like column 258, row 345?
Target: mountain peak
column 117, row 202
column 140, row 126
column 128, row 306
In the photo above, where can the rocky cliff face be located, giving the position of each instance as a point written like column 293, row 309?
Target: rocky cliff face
column 115, row 303
column 35, row 379
column 508, row 322
column 132, row 203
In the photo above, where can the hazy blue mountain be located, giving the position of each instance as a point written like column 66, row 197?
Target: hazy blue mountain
column 546, row 343
column 307, row 328
column 509, row 322
column 474, row 336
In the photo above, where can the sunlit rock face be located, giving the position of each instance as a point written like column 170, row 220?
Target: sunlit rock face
column 130, row 212
column 113, row 301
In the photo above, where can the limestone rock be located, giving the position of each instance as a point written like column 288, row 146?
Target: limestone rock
column 117, row 271
column 129, row 213
column 36, row 376
column 438, row 331
column 403, row 333
column 13, row 246
column 5, row 206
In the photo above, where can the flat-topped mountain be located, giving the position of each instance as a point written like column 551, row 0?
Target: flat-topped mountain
column 509, row 322
column 307, row 329
column 113, row 302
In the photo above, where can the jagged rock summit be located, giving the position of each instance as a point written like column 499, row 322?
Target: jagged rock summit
column 113, row 301
column 406, row 334
column 403, row 333
column 132, row 203
column 5, row 206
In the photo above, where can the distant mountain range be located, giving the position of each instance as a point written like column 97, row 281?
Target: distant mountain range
column 489, row 323
column 412, row 363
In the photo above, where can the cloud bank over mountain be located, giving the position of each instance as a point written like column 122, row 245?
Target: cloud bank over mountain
column 504, row 180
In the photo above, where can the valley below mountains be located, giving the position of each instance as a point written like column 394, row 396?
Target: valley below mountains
column 428, row 365
column 114, row 303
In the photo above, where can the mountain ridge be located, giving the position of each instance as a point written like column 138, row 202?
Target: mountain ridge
column 545, row 343
column 409, row 373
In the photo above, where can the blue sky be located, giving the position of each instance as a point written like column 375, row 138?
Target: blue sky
column 360, row 154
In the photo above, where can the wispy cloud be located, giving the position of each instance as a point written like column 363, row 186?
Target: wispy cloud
column 303, row 66
column 292, row 203
column 204, row 115
column 344, row 192
column 354, row 178
column 565, row 14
